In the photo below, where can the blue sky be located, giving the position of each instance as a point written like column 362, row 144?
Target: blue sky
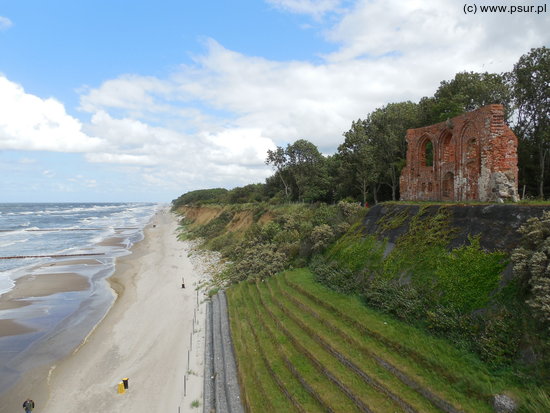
column 144, row 100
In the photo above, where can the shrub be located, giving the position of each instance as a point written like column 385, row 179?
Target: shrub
column 256, row 262
column 402, row 301
column 356, row 252
column 499, row 338
column 334, row 276
column 321, row 236
column 468, row 275
column 531, row 264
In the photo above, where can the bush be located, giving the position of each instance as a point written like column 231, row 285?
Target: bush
column 321, row 236
column 531, row 264
column 499, row 338
column 468, row 275
column 256, row 262
column 402, row 301
column 215, row 227
column 334, row 276
column 356, row 252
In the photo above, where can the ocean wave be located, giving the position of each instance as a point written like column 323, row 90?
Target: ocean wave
column 13, row 242
column 6, row 284
column 11, row 232
column 70, row 228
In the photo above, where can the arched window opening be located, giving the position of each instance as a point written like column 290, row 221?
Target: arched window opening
column 429, row 154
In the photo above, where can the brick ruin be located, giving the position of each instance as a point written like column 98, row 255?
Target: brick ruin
column 471, row 157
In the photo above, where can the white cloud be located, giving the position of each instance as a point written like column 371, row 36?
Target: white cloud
column 425, row 29
column 244, row 147
column 211, row 122
column 120, row 158
column 5, row 23
column 130, row 92
column 28, row 122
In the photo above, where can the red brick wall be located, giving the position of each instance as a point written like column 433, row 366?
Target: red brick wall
column 474, row 158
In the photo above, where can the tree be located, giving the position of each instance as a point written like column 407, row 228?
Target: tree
column 307, row 167
column 302, row 170
column 530, row 83
column 358, row 160
column 386, row 128
column 278, row 159
column 466, row 92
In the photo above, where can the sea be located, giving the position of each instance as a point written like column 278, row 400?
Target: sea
column 37, row 239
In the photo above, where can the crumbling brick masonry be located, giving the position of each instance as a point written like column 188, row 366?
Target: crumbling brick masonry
column 469, row 157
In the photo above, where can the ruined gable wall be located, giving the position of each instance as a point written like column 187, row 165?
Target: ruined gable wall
column 473, row 157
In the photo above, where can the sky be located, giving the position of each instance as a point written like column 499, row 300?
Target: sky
column 119, row 100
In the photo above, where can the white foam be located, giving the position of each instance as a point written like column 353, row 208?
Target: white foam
column 6, row 284
column 15, row 241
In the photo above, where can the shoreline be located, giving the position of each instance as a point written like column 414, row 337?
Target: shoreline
column 82, row 377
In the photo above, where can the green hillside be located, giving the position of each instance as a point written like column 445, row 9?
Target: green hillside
column 302, row 347
column 459, row 275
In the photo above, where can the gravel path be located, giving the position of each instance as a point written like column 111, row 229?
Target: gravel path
column 221, row 387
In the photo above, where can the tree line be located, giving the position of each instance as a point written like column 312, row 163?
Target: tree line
column 367, row 165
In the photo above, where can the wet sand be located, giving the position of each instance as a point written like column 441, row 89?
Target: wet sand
column 41, row 285
column 148, row 336
column 31, row 286
column 12, row 328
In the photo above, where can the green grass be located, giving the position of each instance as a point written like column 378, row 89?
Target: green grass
column 303, row 347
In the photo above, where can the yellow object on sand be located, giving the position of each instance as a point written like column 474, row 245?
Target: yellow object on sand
column 121, row 389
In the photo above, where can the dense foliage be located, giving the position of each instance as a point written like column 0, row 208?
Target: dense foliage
column 420, row 281
column 290, row 237
column 458, row 294
column 199, row 196
column 532, row 265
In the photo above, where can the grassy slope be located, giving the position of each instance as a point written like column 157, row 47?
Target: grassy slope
column 303, row 347
column 280, row 375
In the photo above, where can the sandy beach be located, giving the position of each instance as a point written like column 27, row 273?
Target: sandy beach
column 153, row 335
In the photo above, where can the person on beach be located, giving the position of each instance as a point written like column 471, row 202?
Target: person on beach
column 28, row 405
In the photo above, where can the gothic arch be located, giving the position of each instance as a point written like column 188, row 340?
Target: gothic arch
column 426, row 151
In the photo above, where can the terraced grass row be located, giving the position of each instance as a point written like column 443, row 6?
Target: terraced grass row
column 308, row 369
column 262, row 386
column 304, row 348
column 313, row 328
column 432, row 362
column 358, row 357
column 332, row 379
column 367, row 324
column 414, row 377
